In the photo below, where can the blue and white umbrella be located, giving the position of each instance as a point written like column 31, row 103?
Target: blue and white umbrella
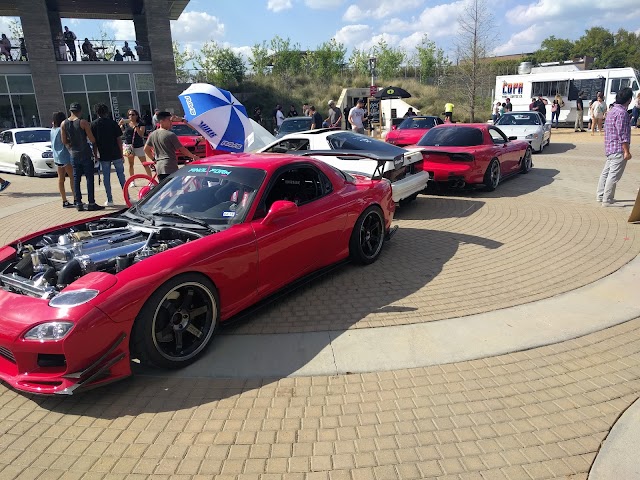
column 218, row 116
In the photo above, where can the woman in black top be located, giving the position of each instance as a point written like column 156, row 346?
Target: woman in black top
column 133, row 140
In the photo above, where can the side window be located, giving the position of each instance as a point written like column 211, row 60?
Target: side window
column 300, row 185
column 497, row 137
column 285, row 146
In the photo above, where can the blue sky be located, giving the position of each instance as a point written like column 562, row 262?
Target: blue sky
column 521, row 25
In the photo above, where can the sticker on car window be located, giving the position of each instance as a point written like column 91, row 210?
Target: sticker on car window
column 228, row 214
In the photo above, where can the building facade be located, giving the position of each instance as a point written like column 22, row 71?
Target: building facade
column 32, row 89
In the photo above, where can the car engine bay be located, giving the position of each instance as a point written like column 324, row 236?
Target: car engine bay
column 48, row 263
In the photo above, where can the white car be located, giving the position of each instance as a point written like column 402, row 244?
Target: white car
column 529, row 126
column 27, row 151
column 405, row 172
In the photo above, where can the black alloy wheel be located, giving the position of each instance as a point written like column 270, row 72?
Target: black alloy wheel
column 367, row 237
column 492, row 175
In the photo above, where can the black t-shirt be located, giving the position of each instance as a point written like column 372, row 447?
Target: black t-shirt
column 317, row 120
column 542, row 108
column 508, row 107
column 579, row 105
column 106, row 133
column 138, row 141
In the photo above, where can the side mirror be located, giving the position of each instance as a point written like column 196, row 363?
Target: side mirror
column 394, row 127
column 513, row 138
column 280, row 209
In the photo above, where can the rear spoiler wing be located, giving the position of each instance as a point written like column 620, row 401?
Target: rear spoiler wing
column 355, row 155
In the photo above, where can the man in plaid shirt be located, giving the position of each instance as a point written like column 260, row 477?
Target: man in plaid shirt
column 617, row 138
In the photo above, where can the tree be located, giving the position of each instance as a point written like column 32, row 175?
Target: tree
column 359, row 62
column 474, row 40
column 181, row 58
column 15, row 29
column 259, row 59
column 327, row 60
column 108, row 42
column 431, row 59
column 554, row 49
column 595, row 43
column 220, row 65
column 389, row 59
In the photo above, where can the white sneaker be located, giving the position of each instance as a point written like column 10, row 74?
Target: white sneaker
column 108, row 204
column 133, row 184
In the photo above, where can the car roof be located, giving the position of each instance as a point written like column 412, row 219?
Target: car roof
column 318, row 132
column 481, row 126
column 26, row 129
column 263, row 161
column 299, row 117
column 421, row 116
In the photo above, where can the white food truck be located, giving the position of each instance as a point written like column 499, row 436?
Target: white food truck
column 568, row 81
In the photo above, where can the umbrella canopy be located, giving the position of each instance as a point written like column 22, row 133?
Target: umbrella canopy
column 218, row 116
column 392, row 92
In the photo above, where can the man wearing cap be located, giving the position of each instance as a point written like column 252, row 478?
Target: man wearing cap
column 74, row 132
column 356, row 117
column 335, row 117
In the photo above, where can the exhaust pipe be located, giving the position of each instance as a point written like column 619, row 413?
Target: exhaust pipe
column 459, row 183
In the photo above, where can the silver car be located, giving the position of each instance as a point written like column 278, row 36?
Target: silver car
column 529, row 126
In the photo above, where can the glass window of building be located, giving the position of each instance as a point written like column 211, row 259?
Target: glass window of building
column 96, row 83
column 3, row 84
column 18, row 107
column 6, row 113
column 20, row 83
column 25, row 110
column 72, row 83
column 119, row 81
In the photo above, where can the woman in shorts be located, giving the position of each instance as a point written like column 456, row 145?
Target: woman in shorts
column 61, row 158
column 133, row 140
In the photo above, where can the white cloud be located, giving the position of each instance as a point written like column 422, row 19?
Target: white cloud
column 543, row 10
column 377, row 9
column 279, row 5
column 323, row 4
column 122, row 29
column 351, row 35
column 524, row 41
column 196, row 28
column 410, row 42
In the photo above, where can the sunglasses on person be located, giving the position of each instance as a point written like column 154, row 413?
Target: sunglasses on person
column 132, row 114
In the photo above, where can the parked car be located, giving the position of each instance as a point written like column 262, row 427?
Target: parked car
column 411, row 129
column 293, row 125
column 473, row 154
column 190, row 139
column 529, row 126
column 79, row 301
column 27, row 151
column 406, row 172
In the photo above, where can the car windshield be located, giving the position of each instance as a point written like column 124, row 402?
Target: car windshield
column 417, row 122
column 356, row 141
column 452, row 137
column 292, row 125
column 183, row 130
column 218, row 195
column 519, row 119
column 33, row 136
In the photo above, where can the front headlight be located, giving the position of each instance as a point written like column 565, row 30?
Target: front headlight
column 531, row 136
column 49, row 331
column 47, row 154
column 73, row 298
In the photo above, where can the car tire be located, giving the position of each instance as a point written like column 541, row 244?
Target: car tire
column 367, row 237
column 492, row 176
column 527, row 162
column 26, row 166
column 177, row 323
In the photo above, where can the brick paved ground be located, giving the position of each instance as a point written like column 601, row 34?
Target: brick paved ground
column 535, row 414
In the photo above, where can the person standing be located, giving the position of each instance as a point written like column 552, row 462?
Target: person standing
column 109, row 149
column 292, row 111
column 70, row 41
column 316, row 118
column 508, row 106
column 410, row 113
column 579, row 125
column 597, row 111
column 61, row 158
column 74, row 132
column 133, row 131
column 496, row 112
column 305, row 109
column 635, row 113
column 278, row 117
column 448, row 111
column 555, row 112
column 5, row 47
column 542, row 103
column 356, row 117
column 334, row 119
column 617, row 139
column 162, row 145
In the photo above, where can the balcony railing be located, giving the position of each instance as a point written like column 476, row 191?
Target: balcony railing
column 80, row 51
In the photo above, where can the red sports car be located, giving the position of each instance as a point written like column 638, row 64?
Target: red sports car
column 190, row 139
column 411, row 130
column 78, row 301
column 473, row 154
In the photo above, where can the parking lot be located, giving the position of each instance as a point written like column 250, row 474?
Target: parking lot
column 539, row 413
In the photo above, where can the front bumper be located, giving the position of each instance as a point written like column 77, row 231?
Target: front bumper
column 93, row 353
column 409, row 185
column 44, row 166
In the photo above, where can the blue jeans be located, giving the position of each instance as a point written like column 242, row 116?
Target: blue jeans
column 635, row 113
column 105, row 166
column 83, row 166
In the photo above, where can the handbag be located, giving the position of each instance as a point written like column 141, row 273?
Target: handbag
column 127, row 150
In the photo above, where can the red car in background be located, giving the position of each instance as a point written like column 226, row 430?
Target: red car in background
column 411, row 130
column 190, row 139
column 472, row 154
